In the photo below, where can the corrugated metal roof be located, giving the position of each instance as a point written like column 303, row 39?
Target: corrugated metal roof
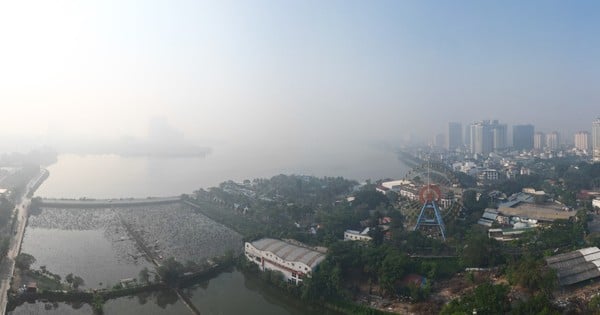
column 592, row 257
column 580, row 277
column 289, row 252
column 576, row 266
column 490, row 216
column 561, row 257
column 589, row 250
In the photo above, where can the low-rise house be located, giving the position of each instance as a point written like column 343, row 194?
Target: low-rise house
column 382, row 189
column 596, row 203
column 352, row 235
column 489, row 217
column 410, row 192
column 488, row 174
column 396, row 185
column 31, row 287
column 505, row 235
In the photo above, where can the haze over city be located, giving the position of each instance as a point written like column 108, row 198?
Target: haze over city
column 295, row 76
column 299, row 157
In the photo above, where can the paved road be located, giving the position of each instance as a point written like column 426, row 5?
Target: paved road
column 8, row 264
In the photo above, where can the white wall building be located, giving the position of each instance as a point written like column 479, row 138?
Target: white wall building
column 295, row 262
column 395, row 185
column 596, row 203
column 488, row 174
column 352, row 235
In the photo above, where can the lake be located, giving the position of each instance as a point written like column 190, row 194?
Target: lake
column 93, row 243
column 113, row 176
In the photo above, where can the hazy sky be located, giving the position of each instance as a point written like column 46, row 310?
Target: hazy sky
column 295, row 72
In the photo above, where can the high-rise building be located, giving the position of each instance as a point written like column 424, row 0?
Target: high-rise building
column 582, row 141
column 499, row 136
column 454, row 140
column 552, row 140
column 439, row 141
column 467, row 137
column 523, row 137
column 539, row 140
column 596, row 139
column 482, row 137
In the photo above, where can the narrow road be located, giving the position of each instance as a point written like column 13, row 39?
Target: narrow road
column 8, row 264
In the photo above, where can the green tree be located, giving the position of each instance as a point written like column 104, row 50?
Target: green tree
column 77, row 282
column 485, row 299
column 170, row 271
column 69, row 278
column 480, row 251
column 325, row 283
column 393, row 267
column 539, row 304
column 370, row 198
column 532, row 274
column 594, row 305
column 144, row 275
column 97, row 304
column 24, row 261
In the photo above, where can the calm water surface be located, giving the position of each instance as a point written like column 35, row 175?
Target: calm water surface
column 112, row 176
column 234, row 293
column 93, row 244
column 230, row 293
column 52, row 309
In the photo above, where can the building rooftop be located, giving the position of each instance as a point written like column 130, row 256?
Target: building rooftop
column 537, row 212
column 289, row 252
column 522, row 205
column 576, row 266
column 391, row 184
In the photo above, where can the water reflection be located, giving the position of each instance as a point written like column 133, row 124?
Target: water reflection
column 164, row 302
column 234, row 293
column 112, row 176
column 155, row 303
column 90, row 243
column 57, row 308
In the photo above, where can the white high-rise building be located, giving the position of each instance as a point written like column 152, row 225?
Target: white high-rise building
column 552, row 140
column 482, row 138
column 538, row 140
column 499, row 135
column 487, row 136
column 582, row 141
column 596, row 139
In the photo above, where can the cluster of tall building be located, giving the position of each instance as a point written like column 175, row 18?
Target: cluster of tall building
column 487, row 136
column 481, row 137
column 548, row 141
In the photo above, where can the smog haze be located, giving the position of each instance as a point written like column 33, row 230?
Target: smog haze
column 289, row 76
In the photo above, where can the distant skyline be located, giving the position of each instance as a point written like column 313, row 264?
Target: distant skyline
column 297, row 76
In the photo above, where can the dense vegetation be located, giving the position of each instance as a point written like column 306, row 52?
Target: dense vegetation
column 316, row 211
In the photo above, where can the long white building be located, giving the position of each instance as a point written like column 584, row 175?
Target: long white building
column 295, row 262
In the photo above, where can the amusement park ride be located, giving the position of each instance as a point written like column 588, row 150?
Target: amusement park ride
column 430, row 217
